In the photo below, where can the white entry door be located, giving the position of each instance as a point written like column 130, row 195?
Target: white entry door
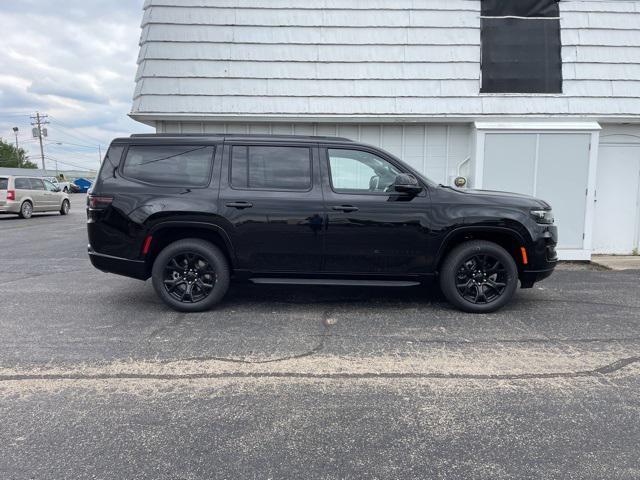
column 617, row 214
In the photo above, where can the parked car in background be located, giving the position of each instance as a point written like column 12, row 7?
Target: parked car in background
column 191, row 212
column 25, row 195
column 82, row 185
column 63, row 185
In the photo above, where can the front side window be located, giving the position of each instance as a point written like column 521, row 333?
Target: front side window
column 50, row 186
column 177, row 166
column 270, row 168
column 356, row 171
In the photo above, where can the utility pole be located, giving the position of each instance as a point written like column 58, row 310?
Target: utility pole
column 38, row 131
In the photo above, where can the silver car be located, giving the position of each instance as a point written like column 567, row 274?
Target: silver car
column 26, row 195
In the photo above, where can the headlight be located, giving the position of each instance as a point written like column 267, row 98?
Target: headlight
column 542, row 216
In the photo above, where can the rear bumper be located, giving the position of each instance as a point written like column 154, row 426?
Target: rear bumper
column 120, row 266
column 10, row 207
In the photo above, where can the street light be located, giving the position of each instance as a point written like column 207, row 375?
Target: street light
column 15, row 132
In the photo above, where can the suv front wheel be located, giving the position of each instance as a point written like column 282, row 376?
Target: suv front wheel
column 191, row 275
column 479, row 277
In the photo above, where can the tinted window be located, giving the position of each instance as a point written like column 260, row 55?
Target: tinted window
column 181, row 166
column 22, row 184
column 4, row 183
column 36, row 184
column 275, row 168
column 356, row 171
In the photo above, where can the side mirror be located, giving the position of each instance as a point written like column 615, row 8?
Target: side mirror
column 406, row 183
column 56, row 189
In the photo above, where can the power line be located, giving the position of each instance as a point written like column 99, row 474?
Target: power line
column 82, row 167
column 66, row 126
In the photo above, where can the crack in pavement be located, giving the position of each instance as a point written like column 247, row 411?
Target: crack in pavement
column 603, row 370
column 317, row 348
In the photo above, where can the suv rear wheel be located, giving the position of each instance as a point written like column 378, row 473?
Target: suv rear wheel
column 479, row 277
column 26, row 209
column 191, row 275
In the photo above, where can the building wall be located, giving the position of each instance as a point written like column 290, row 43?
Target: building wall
column 391, row 58
column 439, row 151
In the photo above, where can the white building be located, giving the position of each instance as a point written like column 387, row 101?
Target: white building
column 407, row 75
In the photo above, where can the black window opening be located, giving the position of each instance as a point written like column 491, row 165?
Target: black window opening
column 172, row 166
column 271, row 168
column 521, row 46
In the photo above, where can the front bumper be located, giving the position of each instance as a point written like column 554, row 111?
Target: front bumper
column 120, row 266
column 542, row 257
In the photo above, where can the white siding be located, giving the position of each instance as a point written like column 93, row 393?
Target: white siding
column 436, row 150
column 390, row 58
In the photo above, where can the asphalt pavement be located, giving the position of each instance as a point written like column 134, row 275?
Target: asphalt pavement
column 98, row 379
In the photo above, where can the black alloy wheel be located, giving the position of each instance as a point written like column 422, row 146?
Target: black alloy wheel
column 481, row 279
column 478, row 276
column 189, row 277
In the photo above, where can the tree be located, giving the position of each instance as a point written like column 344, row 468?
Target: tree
column 10, row 156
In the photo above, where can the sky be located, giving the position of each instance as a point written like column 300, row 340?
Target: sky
column 74, row 60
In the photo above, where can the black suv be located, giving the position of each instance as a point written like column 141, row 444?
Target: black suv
column 194, row 211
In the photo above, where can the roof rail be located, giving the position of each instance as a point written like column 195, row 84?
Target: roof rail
column 240, row 135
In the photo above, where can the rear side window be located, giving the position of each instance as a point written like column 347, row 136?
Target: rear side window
column 271, row 168
column 178, row 166
column 4, row 183
column 22, row 184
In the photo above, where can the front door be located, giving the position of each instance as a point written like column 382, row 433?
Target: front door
column 617, row 213
column 39, row 195
column 371, row 229
column 272, row 197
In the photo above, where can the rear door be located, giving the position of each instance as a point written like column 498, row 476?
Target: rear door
column 23, row 189
column 272, row 197
column 371, row 228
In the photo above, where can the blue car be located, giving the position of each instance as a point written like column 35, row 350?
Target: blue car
column 83, row 184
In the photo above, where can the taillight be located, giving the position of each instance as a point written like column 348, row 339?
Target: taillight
column 11, row 194
column 97, row 202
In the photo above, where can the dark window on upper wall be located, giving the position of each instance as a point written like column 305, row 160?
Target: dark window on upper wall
column 271, row 168
column 521, row 47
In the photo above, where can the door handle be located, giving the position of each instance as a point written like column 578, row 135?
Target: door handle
column 239, row 205
column 345, row 208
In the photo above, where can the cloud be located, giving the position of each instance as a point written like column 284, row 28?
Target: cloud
column 74, row 60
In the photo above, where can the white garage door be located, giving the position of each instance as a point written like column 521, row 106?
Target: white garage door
column 439, row 151
column 551, row 166
column 617, row 214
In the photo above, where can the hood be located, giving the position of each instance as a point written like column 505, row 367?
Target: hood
column 505, row 198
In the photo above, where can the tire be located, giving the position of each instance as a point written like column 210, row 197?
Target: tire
column 26, row 209
column 472, row 276
column 185, row 269
column 64, row 209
